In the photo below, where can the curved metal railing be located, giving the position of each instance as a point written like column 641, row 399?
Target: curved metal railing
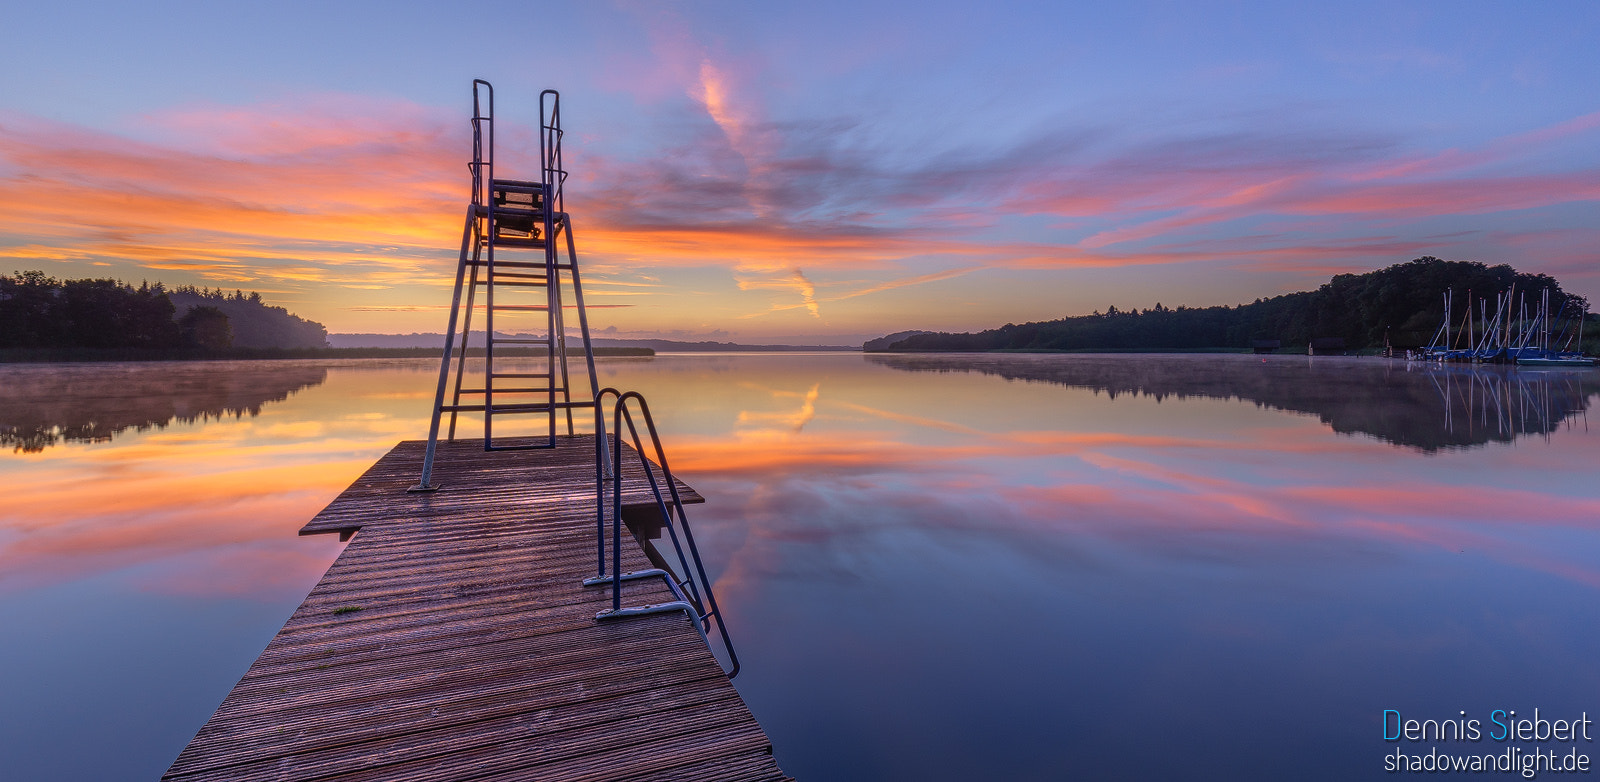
column 698, row 601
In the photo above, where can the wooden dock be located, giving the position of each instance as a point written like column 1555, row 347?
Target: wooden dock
column 453, row 640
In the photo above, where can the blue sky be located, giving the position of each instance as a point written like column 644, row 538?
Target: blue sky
column 821, row 171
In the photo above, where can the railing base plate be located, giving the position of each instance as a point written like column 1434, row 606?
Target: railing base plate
column 653, row 608
column 593, row 581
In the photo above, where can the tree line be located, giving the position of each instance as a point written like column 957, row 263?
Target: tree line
column 1402, row 304
column 39, row 311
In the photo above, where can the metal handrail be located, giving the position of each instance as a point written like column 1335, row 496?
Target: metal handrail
column 480, row 187
column 699, row 602
column 483, row 197
column 550, row 150
column 551, row 177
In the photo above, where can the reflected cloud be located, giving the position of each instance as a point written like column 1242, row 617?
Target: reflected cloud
column 805, row 509
column 797, row 466
column 189, row 477
column 863, row 487
column 1112, row 542
column 193, row 498
column 794, row 423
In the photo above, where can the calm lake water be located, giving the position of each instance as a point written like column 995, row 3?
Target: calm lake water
column 934, row 567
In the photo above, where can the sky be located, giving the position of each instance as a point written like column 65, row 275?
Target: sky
column 805, row 173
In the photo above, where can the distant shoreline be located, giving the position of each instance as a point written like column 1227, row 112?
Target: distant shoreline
column 887, row 351
column 1287, row 350
column 108, row 355
column 64, row 355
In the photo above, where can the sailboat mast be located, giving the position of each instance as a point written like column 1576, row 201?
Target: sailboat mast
column 1511, row 296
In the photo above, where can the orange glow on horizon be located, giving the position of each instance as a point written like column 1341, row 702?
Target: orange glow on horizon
column 368, row 203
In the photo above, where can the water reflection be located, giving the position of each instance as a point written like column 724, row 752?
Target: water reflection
column 1136, row 568
column 1424, row 406
column 952, row 576
column 140, row 575
column 42, row 405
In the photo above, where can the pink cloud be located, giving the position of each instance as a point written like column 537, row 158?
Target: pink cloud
column 266, row 190
column 359, row 191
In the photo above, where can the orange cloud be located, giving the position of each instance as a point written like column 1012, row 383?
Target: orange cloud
column 368, row 194
column 378, row 199
column 713, row 93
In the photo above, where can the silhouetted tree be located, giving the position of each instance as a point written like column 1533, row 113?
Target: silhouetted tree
column 206, row 328
column 1406, row 299
column 25, row 304
column 255, row 323
column 108, row 314
column 37, row 311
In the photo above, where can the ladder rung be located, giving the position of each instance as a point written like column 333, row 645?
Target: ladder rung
column 517, row 233
column 519, row 375
column 511, row 235
column 540, row 390
column 534, row 407
column 509, row 264
column 518, row 409
column 517, row 185
column 503, row 209
column 522, row 342
column 511, row 241
column 566, row 267
column 518, row 275
column 514, row 283
column 517, row 211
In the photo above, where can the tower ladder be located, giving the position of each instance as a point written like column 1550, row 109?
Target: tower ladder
column 511, row 250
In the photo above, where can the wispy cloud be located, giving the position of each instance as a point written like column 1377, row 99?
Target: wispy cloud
column 811, row 301
column 237, row 193
column 335, row 190
column 794, row 281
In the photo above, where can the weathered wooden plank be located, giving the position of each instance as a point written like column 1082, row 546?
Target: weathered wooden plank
column 757, row 765
column 463, row 473
column 602, row 752
column 457, row 669
column 376, row 745
column 467, row 646
column 298, row 722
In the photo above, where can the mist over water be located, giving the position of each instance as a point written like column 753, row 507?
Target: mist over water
column 42, row 405
column 947, row 567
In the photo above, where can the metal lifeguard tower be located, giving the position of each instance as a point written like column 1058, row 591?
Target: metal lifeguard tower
column 511, row 249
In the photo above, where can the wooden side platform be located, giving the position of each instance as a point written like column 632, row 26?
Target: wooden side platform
column 453, row 640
